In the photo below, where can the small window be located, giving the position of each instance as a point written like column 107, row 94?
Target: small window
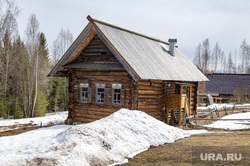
column 117, row 96
column 84, row 93
column 100, row 95
column 116, row 93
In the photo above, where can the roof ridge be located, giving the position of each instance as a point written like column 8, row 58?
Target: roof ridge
column 93, row 19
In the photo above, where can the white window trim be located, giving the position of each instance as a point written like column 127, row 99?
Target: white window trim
column 116, row 86
column 84, row 85
column 100, row 86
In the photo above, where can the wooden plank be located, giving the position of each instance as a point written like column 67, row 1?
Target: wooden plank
column 172, row 117
column 167, row 116
column 180, row 107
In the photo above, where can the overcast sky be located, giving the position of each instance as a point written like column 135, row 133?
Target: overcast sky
column 190, row 21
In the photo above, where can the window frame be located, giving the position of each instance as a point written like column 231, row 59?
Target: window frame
column 86, row 87
column 100, row 86
column 115, row 94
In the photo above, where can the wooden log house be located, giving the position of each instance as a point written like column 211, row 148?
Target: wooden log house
column 110, row 67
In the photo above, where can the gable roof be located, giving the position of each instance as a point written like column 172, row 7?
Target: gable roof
column 226, row 83
column 144, row 57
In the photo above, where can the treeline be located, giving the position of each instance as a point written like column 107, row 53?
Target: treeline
column 25, row 89
column 216, row 61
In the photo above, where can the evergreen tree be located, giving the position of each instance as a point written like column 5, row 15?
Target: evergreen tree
column 41, row 104
column 19, row 112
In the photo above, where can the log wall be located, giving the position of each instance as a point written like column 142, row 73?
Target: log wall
column 88, row 112
column 151, row 97
column 147, row 95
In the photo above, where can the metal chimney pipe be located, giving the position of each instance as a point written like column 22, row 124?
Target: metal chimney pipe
column 172, row 43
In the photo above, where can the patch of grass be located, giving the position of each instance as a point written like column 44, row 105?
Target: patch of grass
column 180, row 152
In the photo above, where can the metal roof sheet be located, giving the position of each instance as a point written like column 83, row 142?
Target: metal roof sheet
column 95, row 66
column 144, row 57
column 226, row 83
column 150, row 58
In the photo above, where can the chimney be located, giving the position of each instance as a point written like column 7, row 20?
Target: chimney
column 172, row 43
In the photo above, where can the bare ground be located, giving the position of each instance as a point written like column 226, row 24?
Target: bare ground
column 182, row 152
column 16, row 129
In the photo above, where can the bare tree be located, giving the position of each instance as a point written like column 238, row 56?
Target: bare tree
column 230, row 67
column 243, row 55
column 8, row 15
column 61, row 44
column 197, row 58
column 32, row 44
column 205, row 55
column 216, row 52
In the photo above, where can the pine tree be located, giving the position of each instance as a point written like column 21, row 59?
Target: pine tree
column 41, row 104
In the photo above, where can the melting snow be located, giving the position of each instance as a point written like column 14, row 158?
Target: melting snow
column 107, row 141
column 50, row 118
column 233, row 125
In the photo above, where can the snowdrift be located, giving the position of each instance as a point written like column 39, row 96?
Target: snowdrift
column 107, row 141
column 232, row 125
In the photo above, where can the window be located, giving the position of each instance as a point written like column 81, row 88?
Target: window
column 116, row 93
column 84, row 93
column 117, row 96
column 100, row 95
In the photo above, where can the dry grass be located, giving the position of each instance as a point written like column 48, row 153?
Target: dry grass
column 180, row 152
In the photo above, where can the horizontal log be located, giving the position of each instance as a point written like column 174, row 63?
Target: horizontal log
column 151, row 110
column 88, row 112
column 84, row 120
column 149, row 84
column 150, row 92
column 154, row 114
column 153, row 81
column 141, row 107
column 103, row 109
column 143, row 96
column 149, row 88
column 90, row 116
column 148, row 100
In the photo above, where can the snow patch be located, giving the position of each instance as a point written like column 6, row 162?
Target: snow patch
column 110, row 140
column 233, row 125
column 50, row 118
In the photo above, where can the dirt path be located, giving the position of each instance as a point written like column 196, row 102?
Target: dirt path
column 184, row 152
column 14, row 130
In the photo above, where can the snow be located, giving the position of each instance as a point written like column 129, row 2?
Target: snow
column 221, row 106
column 233, row 125
column 50, row 118
column 110, row 140
column 218, row 106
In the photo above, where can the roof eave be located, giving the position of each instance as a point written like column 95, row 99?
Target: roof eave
column 70, row 50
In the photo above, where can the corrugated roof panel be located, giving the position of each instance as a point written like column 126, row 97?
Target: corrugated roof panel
column 95, row 66
column 149, row 58
column 226, row 83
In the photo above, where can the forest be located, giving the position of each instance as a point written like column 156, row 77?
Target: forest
column 216, row 61
column 25, row 89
